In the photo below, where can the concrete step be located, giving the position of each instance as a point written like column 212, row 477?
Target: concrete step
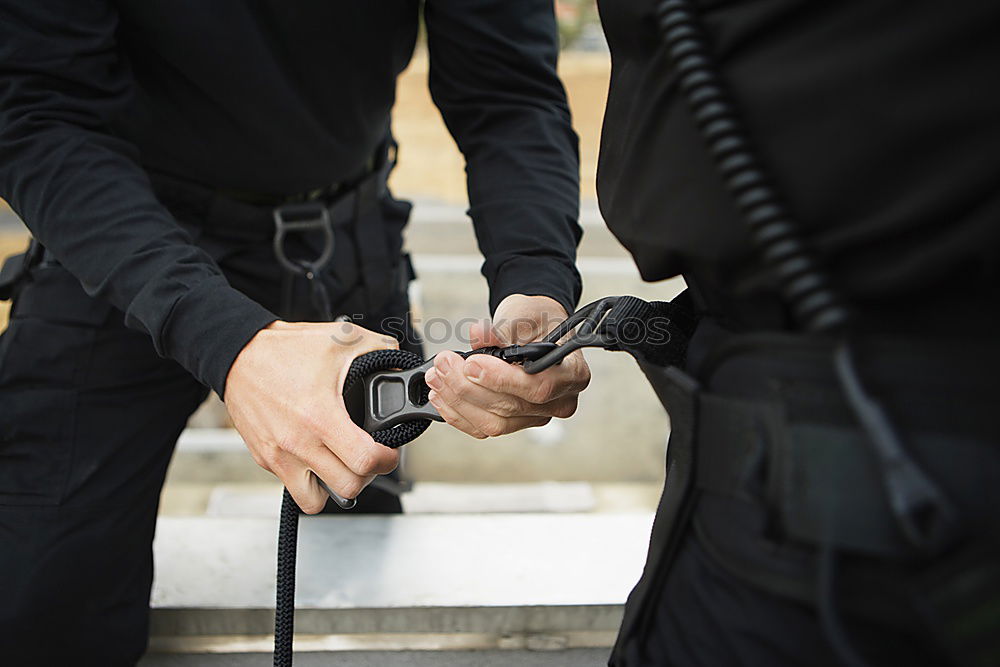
column 574, row 657
column 427, row 498
column 263, row 499
column 402, row 582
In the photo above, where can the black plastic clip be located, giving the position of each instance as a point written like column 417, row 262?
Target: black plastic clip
column 394, row 397
column 586, row 326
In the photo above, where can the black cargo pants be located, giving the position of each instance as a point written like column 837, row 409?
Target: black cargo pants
column 89, row 416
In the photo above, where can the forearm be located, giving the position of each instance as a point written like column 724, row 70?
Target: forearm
column 493, row 76
column 83, row 194
column 100, row 219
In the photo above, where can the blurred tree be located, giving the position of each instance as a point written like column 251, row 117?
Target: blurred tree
column 574, row 17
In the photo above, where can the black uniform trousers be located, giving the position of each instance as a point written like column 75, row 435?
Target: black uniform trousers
column 89, row 416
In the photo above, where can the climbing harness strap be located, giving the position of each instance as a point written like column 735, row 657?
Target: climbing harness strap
column 654, row 332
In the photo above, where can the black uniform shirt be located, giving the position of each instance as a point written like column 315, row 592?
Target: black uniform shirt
column 879, row 121
column 271, row 97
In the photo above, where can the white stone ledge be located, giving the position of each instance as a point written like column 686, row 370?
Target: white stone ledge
column 488, row 574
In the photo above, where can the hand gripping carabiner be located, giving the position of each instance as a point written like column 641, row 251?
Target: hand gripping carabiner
column 386, row 395
column 393, row 396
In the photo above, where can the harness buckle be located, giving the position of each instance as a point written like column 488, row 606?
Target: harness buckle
column 301, row 218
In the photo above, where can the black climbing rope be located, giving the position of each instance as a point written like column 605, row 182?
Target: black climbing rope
column 288, row 528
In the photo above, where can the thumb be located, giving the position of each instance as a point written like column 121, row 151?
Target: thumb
column 482, row 334
column 356, row 342
column 361, row 340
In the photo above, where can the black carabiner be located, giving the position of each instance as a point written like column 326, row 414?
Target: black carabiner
column 396, row 396
column 586, row 326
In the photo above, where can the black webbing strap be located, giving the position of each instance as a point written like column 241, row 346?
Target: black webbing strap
column 230, row 218
column 653, row 332
column 656, row 332
column 820, row 479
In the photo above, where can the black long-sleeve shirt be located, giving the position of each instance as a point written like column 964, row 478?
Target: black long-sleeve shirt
column 270, row 97
column 879, row 121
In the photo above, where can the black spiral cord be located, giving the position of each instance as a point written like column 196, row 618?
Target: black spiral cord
column 288, row 529
column 926, row 519
column 816, row 305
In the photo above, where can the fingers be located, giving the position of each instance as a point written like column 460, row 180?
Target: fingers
column 283, row 395
column 480, row 423
column 461, row 389
column 331, row 445
column 517, row 330
column 291, row 460
column 295, row 466
column 568, row 378
column 453, row 418
column 340, row 451
column 482, row 334
column 331, row 426
column 475, row 408
column 303, row 485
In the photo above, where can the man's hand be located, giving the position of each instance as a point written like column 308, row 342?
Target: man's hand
column 283, row 393
column 485, row 396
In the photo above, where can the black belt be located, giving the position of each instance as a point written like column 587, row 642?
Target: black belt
column 219, row 212
column 356, row 208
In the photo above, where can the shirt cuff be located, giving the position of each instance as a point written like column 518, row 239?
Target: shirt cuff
column 209, row 326
column 530, row 248
column 536, row 276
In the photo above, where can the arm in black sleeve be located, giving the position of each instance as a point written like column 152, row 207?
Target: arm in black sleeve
column 83, row 194
column 493, row 76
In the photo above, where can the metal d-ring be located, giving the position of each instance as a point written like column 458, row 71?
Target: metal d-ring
column 306, row 217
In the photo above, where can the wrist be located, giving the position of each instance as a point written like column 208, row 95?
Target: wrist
column 209, row 327
column 523, row 318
